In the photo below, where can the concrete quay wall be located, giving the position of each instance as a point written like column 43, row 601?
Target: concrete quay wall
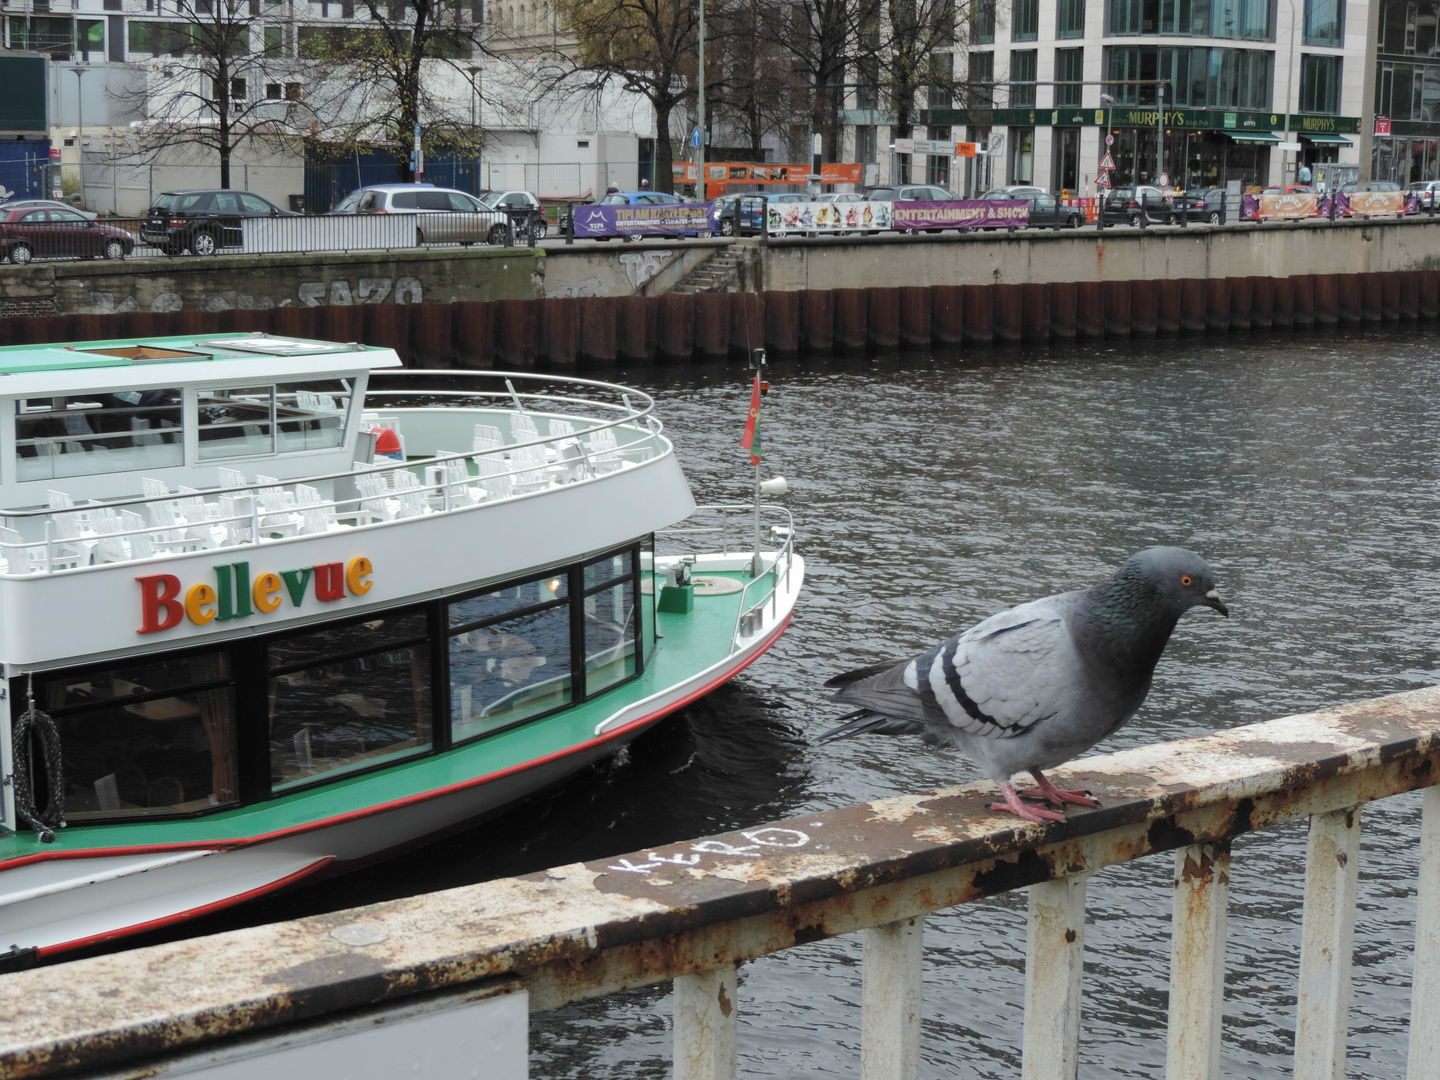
column 262, row 282
column 1116, row 254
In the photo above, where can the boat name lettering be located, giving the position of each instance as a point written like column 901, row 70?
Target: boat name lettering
column 235, row 596
column 771, row 836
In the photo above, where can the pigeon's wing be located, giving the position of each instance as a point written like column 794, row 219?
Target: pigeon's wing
column 1005, row 675
column 888, row 692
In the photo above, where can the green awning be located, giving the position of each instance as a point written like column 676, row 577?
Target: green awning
column 1255, row 138
column 1328, row 140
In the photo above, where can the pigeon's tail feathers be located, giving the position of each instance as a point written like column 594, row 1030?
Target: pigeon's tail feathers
column 863, row 673
column 865, row 722
column 894, row 691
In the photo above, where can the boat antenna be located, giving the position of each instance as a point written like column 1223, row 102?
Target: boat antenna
column 46, row 821
column 514, row 396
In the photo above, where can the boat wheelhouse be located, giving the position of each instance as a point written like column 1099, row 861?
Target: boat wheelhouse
column 272, row 608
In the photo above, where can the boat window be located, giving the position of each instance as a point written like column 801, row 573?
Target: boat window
column 236, row 421
column 98, row 433
column 513, row 667
column 145, row 737
column 608, row 569
column 348, row 697
column 242, row 421
column 491, row 605
column 609, row 635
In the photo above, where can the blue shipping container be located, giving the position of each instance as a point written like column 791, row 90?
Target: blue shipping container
column 24, row 165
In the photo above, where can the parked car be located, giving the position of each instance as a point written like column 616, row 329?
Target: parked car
column 203, row 222
column 27, row 234
column 1014, row 191
column 1046, row 211
column 1203, row 204
column 349, row 202
column 910, row 192
column 639, row 198
column 1424, row 192
column 737, row 215
column 840, row 197
column 1126, row 205
column 523, row 207
column 46, row 204
column 444, row 215
column 1354, row 191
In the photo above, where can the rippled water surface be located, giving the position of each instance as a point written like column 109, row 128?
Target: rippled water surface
column 933, row 490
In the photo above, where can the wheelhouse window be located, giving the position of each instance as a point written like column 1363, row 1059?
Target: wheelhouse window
column 79, row 435
column 348, row 697
column 509, row 655
column 609, row 622
column 242, row 421
column 147, row 737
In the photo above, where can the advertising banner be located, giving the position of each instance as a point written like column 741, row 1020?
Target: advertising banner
column 825, row 217
column 1295, row 204
column 1380, row 203
column 672, row 219
column 962, row 214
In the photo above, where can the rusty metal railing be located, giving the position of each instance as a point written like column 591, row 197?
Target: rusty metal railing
column 692, row 911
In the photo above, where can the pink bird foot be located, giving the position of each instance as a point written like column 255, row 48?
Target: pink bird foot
column 1013, row 804
column 1056, row 796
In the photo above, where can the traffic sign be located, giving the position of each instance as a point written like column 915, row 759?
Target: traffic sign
column 695, row 138
column 816, row 143
column 1109, row 140
column 1103, row 180
column 1382, row 125
column 1164, row 180
column 1107, row 162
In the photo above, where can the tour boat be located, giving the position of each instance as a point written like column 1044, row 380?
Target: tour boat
column 273, row 608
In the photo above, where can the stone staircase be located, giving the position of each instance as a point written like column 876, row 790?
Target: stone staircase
column 719, row 273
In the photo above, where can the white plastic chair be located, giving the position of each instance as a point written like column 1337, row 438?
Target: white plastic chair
column 410, row 494
column 109, row 546
column 487, row 437
column 237, row 518
column 528, row 465
column 522, row 427
column 604, row 451
column 375, row 501
column 317, row 514
column 495, row 478
column 277, row 507
column 140, row 543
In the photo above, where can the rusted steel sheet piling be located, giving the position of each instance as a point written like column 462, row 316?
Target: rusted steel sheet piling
column 1242, row 302
column 1063, row 326
column 1035, row 314
column 1192, row 306
column 1009, row 312
column 916, row 317
column 817, row 322
column 884, row 319
column 712, row 327
column 585, row 930
column 852, row 320
column 1262, row 303
column 1089, row 310
column 1117, row 309
column 598, row 331
column 782, row 324
column 1302, row 307
column 1143, row 309
column 979, row 315
column 947, row 314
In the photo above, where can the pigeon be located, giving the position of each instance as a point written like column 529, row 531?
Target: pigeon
column 1034, row 686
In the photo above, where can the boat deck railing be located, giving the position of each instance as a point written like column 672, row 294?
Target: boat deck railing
column 551, row 440
column 691, row 911
column 749, row 615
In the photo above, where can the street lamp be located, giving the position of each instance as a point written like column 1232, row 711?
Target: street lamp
column 1289, row 90
column 1107, row 102
column 81, row 70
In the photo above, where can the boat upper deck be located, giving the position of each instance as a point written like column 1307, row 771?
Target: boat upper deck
column 155, row 468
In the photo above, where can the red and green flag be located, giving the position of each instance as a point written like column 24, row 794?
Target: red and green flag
column 751, row 440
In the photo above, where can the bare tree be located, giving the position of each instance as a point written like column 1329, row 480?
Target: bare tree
column 923, row 38
column 826, row 39
column 219, row 74
column 751, row 84
column 650, row 45
column 408, row 62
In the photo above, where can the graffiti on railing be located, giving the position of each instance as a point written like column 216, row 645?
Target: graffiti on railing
column 771, row 836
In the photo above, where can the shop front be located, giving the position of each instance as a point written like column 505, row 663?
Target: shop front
column 1407, row 159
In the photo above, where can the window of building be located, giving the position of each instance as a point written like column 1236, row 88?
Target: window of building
column 1199, row 77
column 1248, row 19
column 982, row 80
column 84, row 434
column 1026, row 25
column 1022, row 155
column 937, row 166
column 982, row 22
column 1069, row 67
column 348, row 697
column 1070, row 19
column 274, row 91
column 866, row 144
column 161, row 39
column 1022, row 70
column 274, row 40
column 942, row 77
column 1324, row 22
column 1320, row 84
column 53, row 35
column 239, row 421
column 145, row 737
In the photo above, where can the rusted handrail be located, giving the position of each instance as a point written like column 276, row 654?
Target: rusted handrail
column 691, row 911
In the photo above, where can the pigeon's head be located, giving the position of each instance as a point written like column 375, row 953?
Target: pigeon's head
column 1182, row 578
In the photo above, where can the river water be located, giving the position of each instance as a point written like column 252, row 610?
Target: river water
column 931, row 490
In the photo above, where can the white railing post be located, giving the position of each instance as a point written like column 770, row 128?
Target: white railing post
column 890, row 1000
column 1425, row 983
column 1322, row 1020
column 1054, row 963
column 705, row 1025
column 1197, row 962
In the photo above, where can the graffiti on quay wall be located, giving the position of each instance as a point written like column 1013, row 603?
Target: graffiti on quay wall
column 340, row 292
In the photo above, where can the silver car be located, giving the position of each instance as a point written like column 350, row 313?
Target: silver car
column 445, row 216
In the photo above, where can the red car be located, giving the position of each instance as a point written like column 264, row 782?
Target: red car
column 35, row 234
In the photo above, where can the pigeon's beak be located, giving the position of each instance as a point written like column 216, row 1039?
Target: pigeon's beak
column 1212, row 600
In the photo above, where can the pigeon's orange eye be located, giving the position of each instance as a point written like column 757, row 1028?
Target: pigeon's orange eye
column 1187, row 580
